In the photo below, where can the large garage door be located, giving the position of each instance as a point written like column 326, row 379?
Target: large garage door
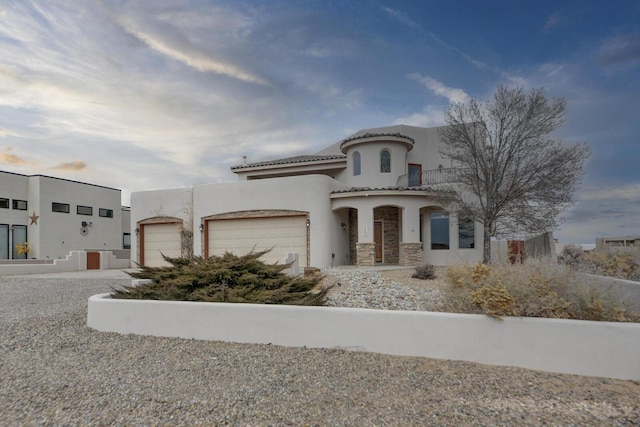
column 161, row 239
column 240, row 236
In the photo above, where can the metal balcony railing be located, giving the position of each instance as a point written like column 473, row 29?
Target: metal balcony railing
column 430, row 177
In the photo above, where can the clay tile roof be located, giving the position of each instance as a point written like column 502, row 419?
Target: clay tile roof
column 377, row 135
column 364, row 189
column 290, row 160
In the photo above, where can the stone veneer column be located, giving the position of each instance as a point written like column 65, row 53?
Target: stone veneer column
column 411, row 254
column 366, row 254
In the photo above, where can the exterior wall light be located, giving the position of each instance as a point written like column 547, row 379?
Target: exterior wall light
column 344, row 226
column 201, row 228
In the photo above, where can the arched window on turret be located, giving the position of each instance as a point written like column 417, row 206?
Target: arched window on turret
column 385, row 161
column 356, row 163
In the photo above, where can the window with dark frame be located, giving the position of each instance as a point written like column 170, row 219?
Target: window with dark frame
column 385, row 161
column 4, row 203
column 60, row 207
column 126, row 240
column 84, row 210
column 20, row 205
column 105, row 213
column 439, row 230
column 415, row 175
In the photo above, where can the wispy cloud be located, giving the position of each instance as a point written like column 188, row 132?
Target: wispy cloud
column 402, row 17
column 429, row 116
column 628, row 192
column 190, row 55
column 554, row 21
column 76, row 165
column 438, row 88
column 9, row 158
column 623, row 49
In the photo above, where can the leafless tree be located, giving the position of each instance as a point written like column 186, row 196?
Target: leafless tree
column 515, row 178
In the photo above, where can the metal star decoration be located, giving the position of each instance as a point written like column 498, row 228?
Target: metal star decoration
column 34, row 219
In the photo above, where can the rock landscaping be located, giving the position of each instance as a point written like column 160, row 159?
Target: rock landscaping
column 56, row 371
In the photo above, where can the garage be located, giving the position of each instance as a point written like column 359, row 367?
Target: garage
column 241, row 235
column 158, row 239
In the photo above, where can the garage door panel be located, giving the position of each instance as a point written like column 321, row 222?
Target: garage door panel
column 240, row 236
column 161, row 239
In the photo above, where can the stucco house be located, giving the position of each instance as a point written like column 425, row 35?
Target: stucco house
column 366, row 200
column 57, row 216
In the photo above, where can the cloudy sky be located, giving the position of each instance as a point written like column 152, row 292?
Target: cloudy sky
column 142, row 95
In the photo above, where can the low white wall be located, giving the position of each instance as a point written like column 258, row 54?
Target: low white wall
column 567, row 346
column 75, row 261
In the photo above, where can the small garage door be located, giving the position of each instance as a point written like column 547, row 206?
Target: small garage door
column 160, row 239
column 240, row 236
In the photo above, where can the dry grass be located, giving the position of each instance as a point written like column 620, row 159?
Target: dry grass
column 537, row 288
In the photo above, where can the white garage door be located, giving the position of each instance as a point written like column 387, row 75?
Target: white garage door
column 161, row 239
column 240, row 236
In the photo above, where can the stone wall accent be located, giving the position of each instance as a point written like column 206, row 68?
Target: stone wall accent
column 366, row 254
column 389, row 215
column 353, row 236
column 410, row 254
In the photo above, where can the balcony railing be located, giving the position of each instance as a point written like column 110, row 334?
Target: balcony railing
column 430, row 177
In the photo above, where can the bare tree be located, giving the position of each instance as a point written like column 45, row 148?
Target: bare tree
column 515, row 178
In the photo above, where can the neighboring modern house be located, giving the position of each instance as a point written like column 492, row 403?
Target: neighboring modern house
column 57, row 216
column 367, row 200
column 625, row 243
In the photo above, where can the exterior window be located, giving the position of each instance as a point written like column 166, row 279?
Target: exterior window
column 126, row 241
column 356, row 164
column 439, row 230
column 19, row 236
column 385, row 161
column 60, row 207
column 106, row 213
column 4, row 203
column 466, row 233
column 84, row 210
column 415, row 175
column 4, row 241
column 20, row 205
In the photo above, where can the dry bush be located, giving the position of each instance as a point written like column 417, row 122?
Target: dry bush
column 619, row 264
column 537, row 288
column 622, row 265
column 495, row 301
column 425, row 272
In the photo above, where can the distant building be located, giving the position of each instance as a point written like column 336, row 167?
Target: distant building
column 56, row 216
column 618, row 243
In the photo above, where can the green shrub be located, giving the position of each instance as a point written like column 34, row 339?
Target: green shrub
column 224, row 278
column 425, row 272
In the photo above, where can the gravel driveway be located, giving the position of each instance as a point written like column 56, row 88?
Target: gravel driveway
column 56, row 371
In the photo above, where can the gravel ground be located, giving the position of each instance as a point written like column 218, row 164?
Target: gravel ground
column 56, row 371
